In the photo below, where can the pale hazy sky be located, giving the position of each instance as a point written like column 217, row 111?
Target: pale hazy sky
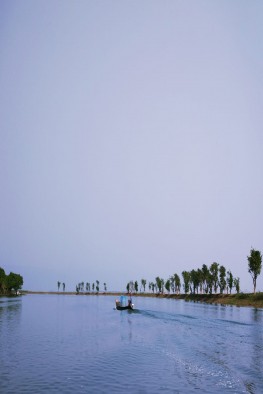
column 131, row 139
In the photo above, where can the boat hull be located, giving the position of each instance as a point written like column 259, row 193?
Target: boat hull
column 122, row 308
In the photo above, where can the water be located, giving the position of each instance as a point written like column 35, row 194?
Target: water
column 80, row 344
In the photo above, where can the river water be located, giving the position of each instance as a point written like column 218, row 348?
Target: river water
column 81, row 344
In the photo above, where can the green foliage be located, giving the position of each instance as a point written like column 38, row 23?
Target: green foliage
column 254, row 265
column 151, row 286
column 222, row 278
column 10, row 283
column 187, row 278
column 14, row 282
column 237, row 285
column 230, row 281
column 159, row 284
column 195, row 281
column 168, row 285
column 214, row 275
column 143, row 282
column 177, row 282
column 2, row 281
column 205, row 278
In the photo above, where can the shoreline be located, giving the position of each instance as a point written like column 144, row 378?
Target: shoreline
column 239, row 300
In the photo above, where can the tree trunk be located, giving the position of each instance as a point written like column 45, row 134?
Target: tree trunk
column 255, row 283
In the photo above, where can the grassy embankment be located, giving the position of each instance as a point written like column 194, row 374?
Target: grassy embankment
column 242, row 299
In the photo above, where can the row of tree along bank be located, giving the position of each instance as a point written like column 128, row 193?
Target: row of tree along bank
column 10, row 284
column 205, row 280
column 84, row 287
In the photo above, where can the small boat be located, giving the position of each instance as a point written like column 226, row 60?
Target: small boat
column 124, row 303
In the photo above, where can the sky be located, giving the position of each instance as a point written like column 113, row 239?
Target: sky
column 131, row 136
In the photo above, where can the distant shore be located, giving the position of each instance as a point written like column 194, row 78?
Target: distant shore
column 241, row 299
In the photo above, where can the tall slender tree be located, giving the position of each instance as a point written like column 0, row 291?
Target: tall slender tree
column 168, row 285
column 229, row 281
column 159, row 284
column 58, row 285
column 143, row 284
column 222, row 278
column 187, row 278
column 254, row 265
column 214, row 273
column 205, row 278
column 177, row 283
column 237, row 284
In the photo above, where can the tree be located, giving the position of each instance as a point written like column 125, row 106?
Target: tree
column 172, row 284
column 254, row 265
column 222, row 278
column 177, row 282
column 151, row 286
column 168, row 285
column 236, row 284
column 97, row 286
column 200, row 280
column 143, row 282
column 205, row 278
column 58, row 285
column 230, row 281
column 159, row 283
column 63, row 284
column 214, row 274
column 195, row 280
column 2, row 281
column 187, row 278
column 14, row 282
column 136, row 286
column 105, row 286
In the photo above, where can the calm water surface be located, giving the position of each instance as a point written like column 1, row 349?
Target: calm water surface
column 80, row 344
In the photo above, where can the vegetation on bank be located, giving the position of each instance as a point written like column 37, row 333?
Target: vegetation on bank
column 10, row 284
column 200, row 284
column 205, row 280
column 239, row 299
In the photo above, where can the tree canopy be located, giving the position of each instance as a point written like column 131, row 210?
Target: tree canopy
column 11, row 282
column 254, row 265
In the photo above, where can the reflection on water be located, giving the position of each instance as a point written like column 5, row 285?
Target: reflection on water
column 10, row 311
column 51, row 344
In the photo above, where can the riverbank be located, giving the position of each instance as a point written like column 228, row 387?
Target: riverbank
column 241, row 299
